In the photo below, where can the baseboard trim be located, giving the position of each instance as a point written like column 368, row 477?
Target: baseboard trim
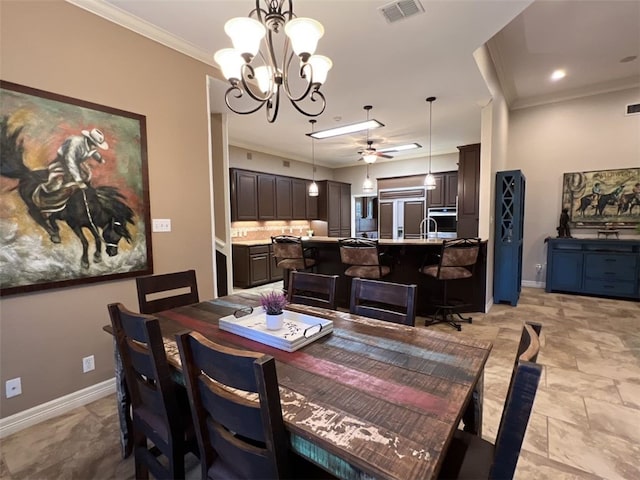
column 55, row 407
column 533, row 284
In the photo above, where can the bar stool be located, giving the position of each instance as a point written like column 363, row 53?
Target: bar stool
column 290, row 255
column 457, row 261
column 363, row 257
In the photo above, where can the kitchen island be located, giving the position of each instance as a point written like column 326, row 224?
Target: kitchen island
column 405, row 257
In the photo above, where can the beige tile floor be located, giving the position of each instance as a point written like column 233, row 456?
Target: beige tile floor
column 585, row 422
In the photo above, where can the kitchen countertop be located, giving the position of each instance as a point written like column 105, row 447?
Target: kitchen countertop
column 321, row 239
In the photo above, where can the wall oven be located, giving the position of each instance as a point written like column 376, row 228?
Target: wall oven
column 447, row 220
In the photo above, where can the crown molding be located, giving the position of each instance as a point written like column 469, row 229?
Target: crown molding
column 124, row 19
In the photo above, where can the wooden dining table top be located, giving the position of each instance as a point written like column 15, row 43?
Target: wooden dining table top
column 372, row 399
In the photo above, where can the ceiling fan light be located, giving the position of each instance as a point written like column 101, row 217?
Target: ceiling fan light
column 304, row 34
column 230, row 62
column 246, row 34
column 430, row 181
column 313, row 189
column 320, row 66
column 369, row 157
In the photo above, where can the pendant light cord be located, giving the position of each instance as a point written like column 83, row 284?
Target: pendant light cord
column 430, row 100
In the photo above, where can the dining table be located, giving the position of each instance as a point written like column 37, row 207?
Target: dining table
column 369, row 400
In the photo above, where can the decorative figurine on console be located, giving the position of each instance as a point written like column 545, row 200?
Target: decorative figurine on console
column 563, row 229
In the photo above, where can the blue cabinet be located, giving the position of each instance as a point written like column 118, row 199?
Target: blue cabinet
column 507, row 265
column 609, row 268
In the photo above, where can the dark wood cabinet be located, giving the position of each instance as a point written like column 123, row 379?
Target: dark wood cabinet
column 254, row 265
column 266, row 197
column 284, row 206
column 263, row 196
column 299, row 194
column 468, row 190
column 413, row 215
column 385, row 211
column 244, row 199
column 446, row 191
column 334, row 207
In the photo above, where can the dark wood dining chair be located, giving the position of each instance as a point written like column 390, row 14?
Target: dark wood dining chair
column 236, row 408
column 313, row 289
column 160, row 410
column 392, row 302
column 164, row 291
column 457, row 261
column 471, row 457
column 362, row 257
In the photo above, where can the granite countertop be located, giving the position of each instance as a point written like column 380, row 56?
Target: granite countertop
column 322, row 239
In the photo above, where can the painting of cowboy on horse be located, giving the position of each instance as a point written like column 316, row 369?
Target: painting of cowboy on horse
column 602, row 197
column 63, row 194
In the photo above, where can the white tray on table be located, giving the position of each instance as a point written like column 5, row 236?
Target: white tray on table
column 290, row 337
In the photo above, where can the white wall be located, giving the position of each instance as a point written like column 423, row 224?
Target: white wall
column 546, row 141
column 264, row 162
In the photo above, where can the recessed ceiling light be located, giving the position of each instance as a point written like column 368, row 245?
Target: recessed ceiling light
column 558, row 74
column 346, row 129
column 630, row 58
column 400, row 148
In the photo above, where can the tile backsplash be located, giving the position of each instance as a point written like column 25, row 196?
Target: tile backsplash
column 265, row 230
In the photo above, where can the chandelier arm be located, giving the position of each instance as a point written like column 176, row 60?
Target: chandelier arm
column 273, row 107
column 285, row 81
column 289, row 13
column 313, row 99
column 229, row 93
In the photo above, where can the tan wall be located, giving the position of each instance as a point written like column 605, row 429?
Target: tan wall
column 589, row 133
column 54, row 46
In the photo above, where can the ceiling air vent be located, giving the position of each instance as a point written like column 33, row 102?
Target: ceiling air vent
column 395, row 11
column 633, row 109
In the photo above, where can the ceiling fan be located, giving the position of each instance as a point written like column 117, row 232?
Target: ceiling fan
column 369, row 154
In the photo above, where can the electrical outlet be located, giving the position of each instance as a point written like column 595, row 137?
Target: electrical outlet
column 13, row 387
column 161, row 225
column 88, row 364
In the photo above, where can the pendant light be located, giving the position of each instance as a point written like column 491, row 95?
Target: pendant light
column 367, row 186
column 313, row 188
column 430, row 180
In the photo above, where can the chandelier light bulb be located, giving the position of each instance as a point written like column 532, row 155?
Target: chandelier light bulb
column 313, row 189
column 430, row 182
column 230, row 63
column 264, row 76
column 246, row 35
column 367, row 186
column 320, row 66
column 304, row 34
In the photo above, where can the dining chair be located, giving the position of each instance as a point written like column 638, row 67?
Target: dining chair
column 164, row 291
column 363, row 258
column 392, row 302
column 291, row 255
column 457, row 261
column 160, row 409
column 471, row 457
column 313, row 289
column 235, row 403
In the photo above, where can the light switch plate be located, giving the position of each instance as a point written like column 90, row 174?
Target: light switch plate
column 161, row 225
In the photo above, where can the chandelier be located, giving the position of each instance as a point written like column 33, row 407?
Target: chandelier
column 430, row 180
column 262, row 75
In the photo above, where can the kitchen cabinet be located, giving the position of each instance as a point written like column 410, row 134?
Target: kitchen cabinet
column 607, row 268
column 266, row 197
column 334, row 207
column 284, row 206
column 263, row 196
column 244, row 195
column 251, row 265
column 299, row 194
column 413, row 215
column 385, row 213
column 468, row 190
column 446, row 191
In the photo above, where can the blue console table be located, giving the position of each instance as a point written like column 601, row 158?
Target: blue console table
column 608, row 268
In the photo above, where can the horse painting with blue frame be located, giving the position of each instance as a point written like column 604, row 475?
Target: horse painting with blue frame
column 602, row 197
column 65, row 225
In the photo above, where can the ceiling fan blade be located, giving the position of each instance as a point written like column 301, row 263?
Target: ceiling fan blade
column 384, row 155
